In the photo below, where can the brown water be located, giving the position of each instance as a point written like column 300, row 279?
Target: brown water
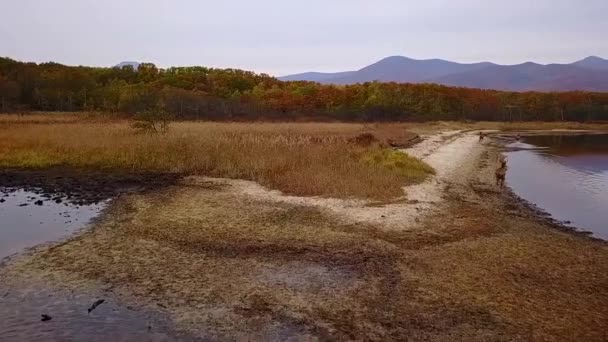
column 566, row 176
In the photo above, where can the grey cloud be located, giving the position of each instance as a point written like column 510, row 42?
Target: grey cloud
column 278, row 36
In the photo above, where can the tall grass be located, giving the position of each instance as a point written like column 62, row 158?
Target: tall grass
column 298, row 158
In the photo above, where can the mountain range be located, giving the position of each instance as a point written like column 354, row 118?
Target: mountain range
column 589, row 74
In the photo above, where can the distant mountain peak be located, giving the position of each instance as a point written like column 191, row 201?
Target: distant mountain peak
column 590, row 74
column 594, row 58
column 593, row 62
column 396, row 58
column 135, row 65
column 529, row 64
column 392, row 60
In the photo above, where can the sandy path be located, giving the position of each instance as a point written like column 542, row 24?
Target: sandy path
column 452, row 154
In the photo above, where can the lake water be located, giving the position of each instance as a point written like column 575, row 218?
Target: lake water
column 566, row 176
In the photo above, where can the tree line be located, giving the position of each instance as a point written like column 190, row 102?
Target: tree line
column 230, row 94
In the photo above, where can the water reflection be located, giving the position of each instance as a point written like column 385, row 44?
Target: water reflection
column 568, row 179
column 572, row 145
column 28, row 218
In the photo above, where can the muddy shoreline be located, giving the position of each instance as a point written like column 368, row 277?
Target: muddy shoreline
column 546, row 218
column 83, row 186
column 77, row 187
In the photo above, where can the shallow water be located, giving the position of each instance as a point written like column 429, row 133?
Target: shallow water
column 28, row 219
column 32, row 217
column 566, row 176
column 22, row 308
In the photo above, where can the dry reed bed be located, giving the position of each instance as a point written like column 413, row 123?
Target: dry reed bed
column 299, row 158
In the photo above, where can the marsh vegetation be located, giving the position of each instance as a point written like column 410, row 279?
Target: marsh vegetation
column 299, row 158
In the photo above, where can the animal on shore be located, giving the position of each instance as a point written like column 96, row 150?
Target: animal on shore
column 481, row 136
column 502, row 160
column 501, row 172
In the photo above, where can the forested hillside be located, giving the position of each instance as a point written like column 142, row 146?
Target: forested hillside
column 228, row 94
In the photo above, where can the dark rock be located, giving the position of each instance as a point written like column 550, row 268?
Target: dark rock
column 45, row 318
column 38, row 202
column 96, row 304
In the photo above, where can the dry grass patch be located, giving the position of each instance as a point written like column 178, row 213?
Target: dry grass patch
column 545, row 284
column 50, row 118
column 227, row 266
column 304, row 159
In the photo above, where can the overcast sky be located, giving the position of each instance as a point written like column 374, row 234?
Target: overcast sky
column 284, row 36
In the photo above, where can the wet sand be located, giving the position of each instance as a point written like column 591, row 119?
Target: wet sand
column 224, row 259
column 82, row 187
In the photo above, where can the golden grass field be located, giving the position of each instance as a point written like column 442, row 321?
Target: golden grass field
column 297, row 158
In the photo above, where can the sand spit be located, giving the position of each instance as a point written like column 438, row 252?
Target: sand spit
column 452, row 154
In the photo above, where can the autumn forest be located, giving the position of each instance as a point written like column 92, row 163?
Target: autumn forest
column 237, row 95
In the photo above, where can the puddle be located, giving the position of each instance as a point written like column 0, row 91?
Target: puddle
column 21, row 313
column 29, row 218
column 44, row 207
column 33, row 217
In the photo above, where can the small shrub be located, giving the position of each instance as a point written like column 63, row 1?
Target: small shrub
column 154, row 120
column 399, row 163
column 364, row 139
